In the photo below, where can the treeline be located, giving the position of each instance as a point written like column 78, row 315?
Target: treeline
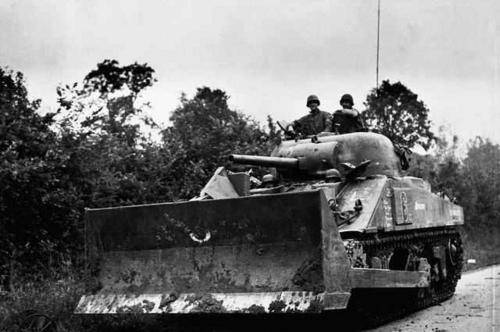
column 98, row 150
column 473, row 182
column 101, row 149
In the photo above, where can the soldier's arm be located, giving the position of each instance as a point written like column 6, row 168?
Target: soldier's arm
column 296, row 125
column 300, row 123
column 359, row 120
column 352, row 112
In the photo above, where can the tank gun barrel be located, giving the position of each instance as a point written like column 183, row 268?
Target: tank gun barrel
column 278, row 162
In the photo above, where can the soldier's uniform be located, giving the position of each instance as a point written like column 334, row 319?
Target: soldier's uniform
column 315, row 122
column 344, row 123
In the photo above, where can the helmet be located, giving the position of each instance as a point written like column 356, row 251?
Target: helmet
column 312, row 98
column 268, row 180
column 333, row 175
column 346, row 98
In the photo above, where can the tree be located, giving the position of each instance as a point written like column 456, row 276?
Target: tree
column 443, row 169
column 396, row 112
column 23, row 132
column 107, row 135
column 110, row 77
column 34, row 201
column 482, row 183
column 472, row 183
column 204, row 132
column 105, row 103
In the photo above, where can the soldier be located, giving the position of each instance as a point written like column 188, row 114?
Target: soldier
column 347, row 119
column 315, row 122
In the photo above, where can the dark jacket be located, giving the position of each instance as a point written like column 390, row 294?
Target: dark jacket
column 313, row 123
column 346, row 123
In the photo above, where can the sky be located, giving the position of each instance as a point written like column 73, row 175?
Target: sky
column 269, row 55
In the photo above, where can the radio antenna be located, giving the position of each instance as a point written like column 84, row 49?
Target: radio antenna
column 378, row 39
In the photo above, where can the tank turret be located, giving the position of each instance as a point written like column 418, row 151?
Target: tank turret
column 315, row 156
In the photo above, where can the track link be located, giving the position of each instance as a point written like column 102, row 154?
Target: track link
column 378, row 306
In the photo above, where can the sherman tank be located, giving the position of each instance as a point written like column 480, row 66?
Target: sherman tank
column 334, row 225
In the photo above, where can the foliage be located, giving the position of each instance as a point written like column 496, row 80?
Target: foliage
column 395, row 111
column 110, row 77
column 48, row 305
column 105, row 104
column 45, row 305
column 479, row 194
column 474, row 184
column 97, row 157
column 113, row 157
column 443, row 168
column 481, row 190
column 35, row 199
column 204, row 132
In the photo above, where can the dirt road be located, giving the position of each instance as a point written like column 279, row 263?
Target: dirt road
column 475, row 307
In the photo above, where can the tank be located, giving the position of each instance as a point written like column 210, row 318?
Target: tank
column 334, row 225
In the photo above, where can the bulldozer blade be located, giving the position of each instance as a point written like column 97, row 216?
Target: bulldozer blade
column 270, row 253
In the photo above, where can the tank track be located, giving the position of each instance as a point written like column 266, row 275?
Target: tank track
column 378, row 306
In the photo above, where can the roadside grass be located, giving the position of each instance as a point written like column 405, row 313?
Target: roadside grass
column 47, row 305
column 481, row 245
column 44, row 305
column 482, row 256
